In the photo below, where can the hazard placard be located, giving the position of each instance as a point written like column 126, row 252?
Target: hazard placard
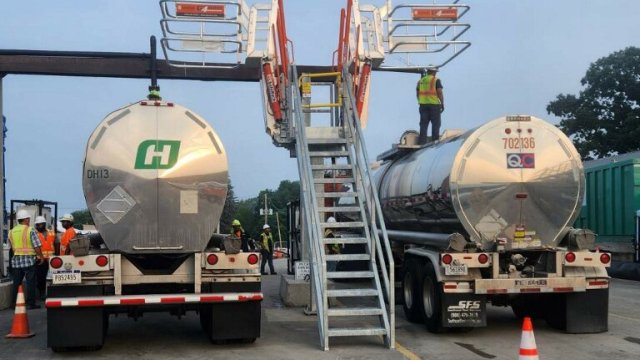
column 435, row 14
column 200, row 10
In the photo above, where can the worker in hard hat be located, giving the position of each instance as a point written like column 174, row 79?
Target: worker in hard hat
column 47, row 239
column 27, row 252
column 331, row 249
column 237, row 231
column 69, row 233
column 266, row 244
column 431, row 101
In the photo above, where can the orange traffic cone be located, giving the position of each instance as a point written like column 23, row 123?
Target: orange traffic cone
column 20, row 327
column 528, row 348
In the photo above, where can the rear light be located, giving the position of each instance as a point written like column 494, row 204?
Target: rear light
column 447, row 259
column 570, row 257
column 212, row 259
column 55, row 263
column 605, row 258
column 483, row 258
column 102, row 261
column 252, row 259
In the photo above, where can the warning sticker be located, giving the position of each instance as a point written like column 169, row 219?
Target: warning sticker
column 188, row 202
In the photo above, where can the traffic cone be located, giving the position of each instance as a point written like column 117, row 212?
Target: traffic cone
column 20, row 327
column 528, row 348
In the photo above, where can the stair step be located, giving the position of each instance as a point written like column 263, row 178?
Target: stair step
column 357, row 331
column 327, row 141
column 349, row 224
column 339, row 209
column 332, row 167
column 351, row 292
column 345, row 240
column 348, row 257
column 337, row 180
column 349, row 274
column 328, row 153
column 354, row 312
column 337, row 194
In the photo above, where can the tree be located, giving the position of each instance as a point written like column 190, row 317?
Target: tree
column 229, row 210
column 82, row 217
column 605, row 118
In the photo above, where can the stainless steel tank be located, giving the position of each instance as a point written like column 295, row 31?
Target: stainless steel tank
column 155, row 179
column 516, row 181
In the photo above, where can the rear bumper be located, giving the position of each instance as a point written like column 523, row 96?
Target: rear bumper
column 539, row 285
column 164, row 299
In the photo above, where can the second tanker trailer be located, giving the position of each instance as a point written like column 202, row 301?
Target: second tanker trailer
column 484, row 217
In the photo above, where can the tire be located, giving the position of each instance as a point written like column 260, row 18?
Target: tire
column 411, row 293
column 431, row 293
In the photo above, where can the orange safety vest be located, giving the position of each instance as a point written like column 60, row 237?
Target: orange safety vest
column 69, row 234
column 47, row 243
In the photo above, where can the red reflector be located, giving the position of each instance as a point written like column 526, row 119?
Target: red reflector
column 605, row 258
column 570, row 257
column 212, row 259
column 507, row 131
column 530, row 290
column 588, row 259
column 102, row 261
column 563, row 289
column 467, row 257
column 81, row 262
column 131, row 301
column 212, row 298
column 252, row 259
column 232, row 259
column 172, row 300
column 90, row 302
column 143, row 103
column 249, row 298
column 447, row 259
column 170, row 104
column 157, row 103
column 483, row 258
column 454, row 286
column 55, row 263
column 521, row 195
column 52, row 304
column 497, row 291
column 598, row 283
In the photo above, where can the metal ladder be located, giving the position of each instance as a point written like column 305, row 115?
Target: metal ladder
column 362, row 302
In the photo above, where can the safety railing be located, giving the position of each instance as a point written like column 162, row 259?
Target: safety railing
column 380, row 247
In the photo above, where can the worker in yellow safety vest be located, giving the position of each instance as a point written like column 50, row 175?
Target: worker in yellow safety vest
column 266, row 243
column 26, row 252
column 431, row 101
column 69, row 233
column 47, row 239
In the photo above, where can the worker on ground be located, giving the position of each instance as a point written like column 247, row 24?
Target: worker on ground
column 26, row 253
column 431, row 101
column 331, row 249
column 47, row 239
column 266, row 243
column 69, row 233
column 238, row 231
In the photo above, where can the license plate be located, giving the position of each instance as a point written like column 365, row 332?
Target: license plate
column 67, row 277
column 455, row 270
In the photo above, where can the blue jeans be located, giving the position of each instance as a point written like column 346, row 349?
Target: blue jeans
column 29, row 273
column 429, row 114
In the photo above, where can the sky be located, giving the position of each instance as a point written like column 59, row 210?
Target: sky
column 523, row 54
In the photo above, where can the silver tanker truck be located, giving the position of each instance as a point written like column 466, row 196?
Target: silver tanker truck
column 155, row 181
column 484, row 216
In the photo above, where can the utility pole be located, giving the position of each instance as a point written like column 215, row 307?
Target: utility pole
column 266, row 208
column 278, row 225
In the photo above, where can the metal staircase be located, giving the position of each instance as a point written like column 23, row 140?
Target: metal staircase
column 336, row 182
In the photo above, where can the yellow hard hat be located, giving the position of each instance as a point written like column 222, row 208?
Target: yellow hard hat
column 235, row 222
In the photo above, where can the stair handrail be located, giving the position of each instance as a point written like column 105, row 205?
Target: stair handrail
column 373, row 208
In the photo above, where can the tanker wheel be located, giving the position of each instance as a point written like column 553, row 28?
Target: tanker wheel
column 411, row 299
column 431, row 292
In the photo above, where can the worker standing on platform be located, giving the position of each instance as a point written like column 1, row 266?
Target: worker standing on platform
column 431, row 101
column 47, row 239
column 69, row 233
column 238, row 231
column 266, row 241
column 26, row 252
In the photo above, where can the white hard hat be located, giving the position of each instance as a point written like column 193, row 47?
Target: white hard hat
column 431, row 68
column 41, row 220
column 22, row 214
column 67, row 217
column 331, row 219
column 266, row 226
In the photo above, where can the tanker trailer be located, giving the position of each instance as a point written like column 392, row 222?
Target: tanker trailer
column 484, row 217
column 155, row 181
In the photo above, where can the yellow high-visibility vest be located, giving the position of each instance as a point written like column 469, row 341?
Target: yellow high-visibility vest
column 20, row 239
column 427, row 93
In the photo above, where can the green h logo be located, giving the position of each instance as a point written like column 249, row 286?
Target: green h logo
column 157, row 154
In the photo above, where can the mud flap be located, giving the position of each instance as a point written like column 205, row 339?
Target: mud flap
column 237, row 320
column 464, row 310
column 587, row 312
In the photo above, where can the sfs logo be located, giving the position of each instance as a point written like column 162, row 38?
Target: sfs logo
column 521, row 161
column 465, row 305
